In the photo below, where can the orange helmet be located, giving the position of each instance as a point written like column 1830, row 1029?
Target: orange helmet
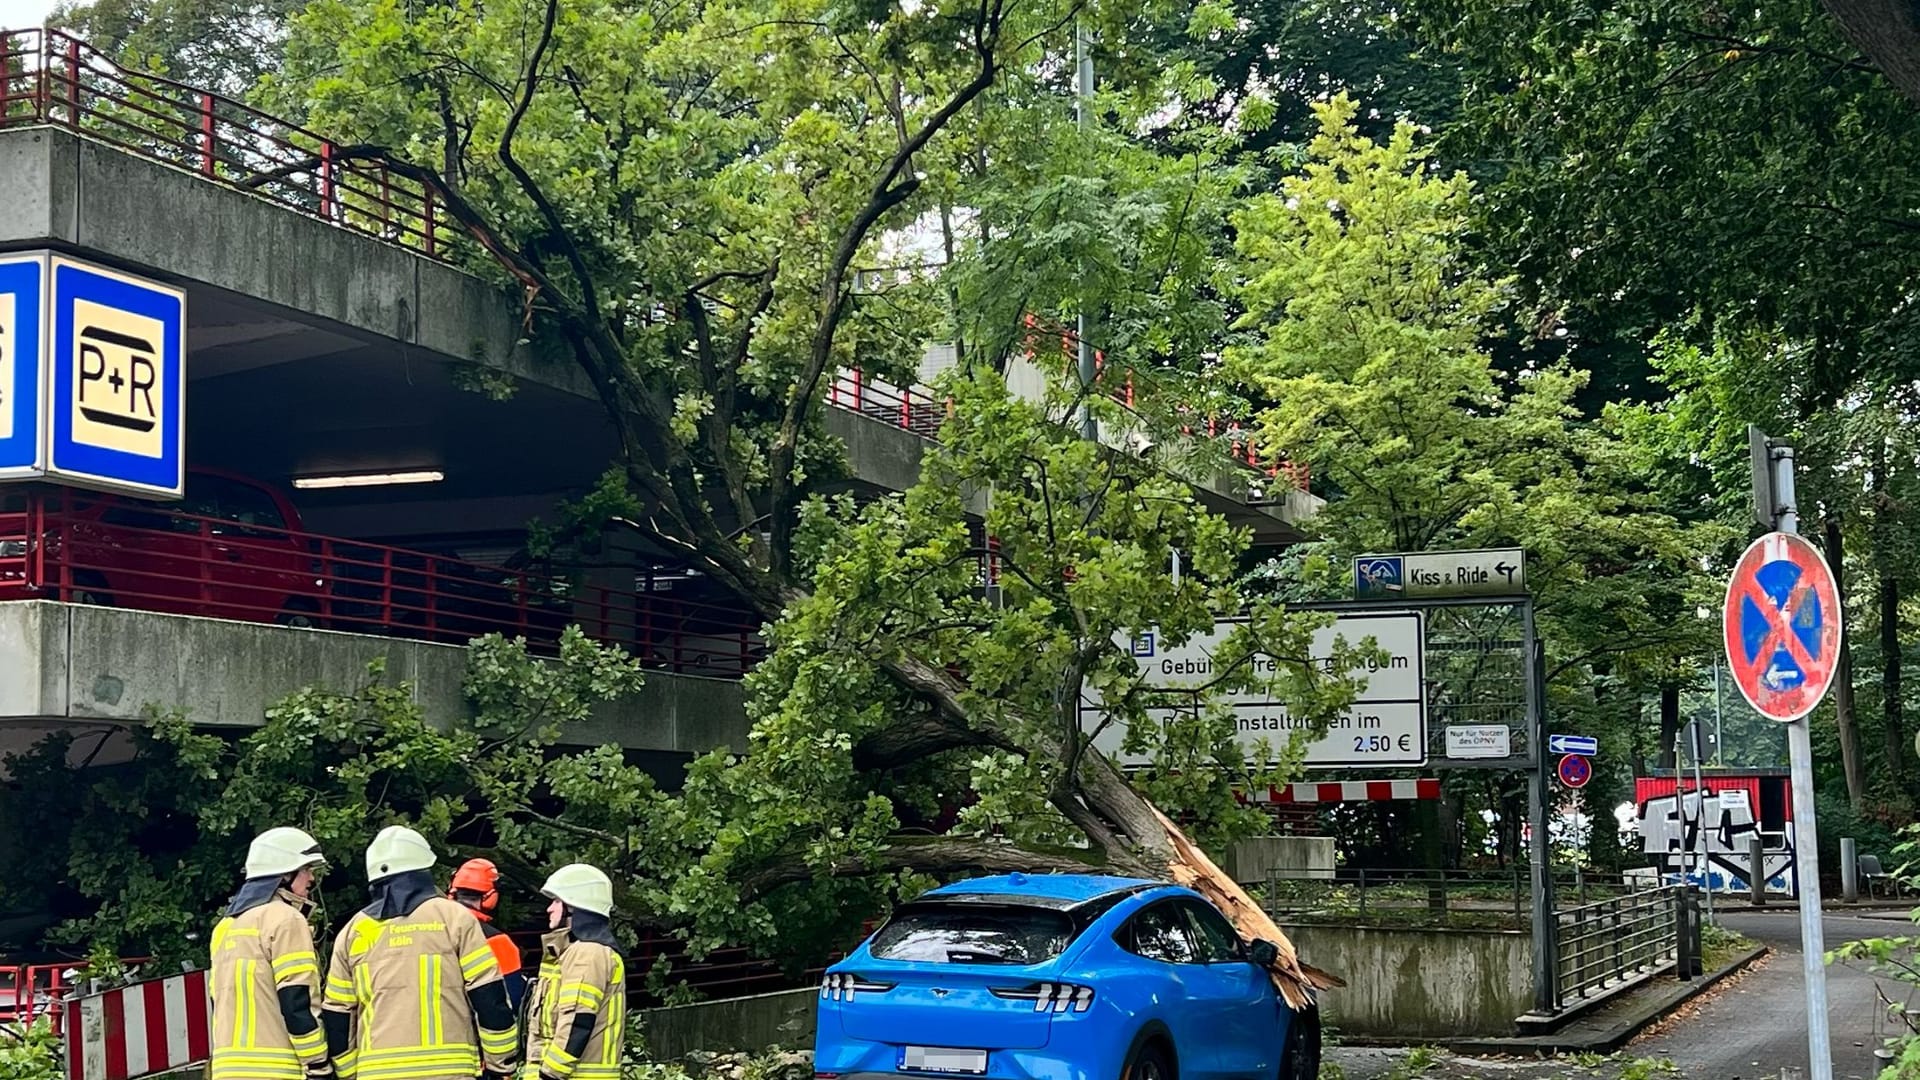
column 480, row 877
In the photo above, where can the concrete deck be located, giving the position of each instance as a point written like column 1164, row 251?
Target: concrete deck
column 85, row 668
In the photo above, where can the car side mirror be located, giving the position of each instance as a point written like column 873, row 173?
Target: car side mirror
column 1263, row 954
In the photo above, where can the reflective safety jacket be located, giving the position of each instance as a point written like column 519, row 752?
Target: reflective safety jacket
column 418, row 992
column 577, row 1009
column 263, row 980
column 505, row 951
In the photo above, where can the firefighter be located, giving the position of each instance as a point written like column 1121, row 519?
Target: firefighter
column 414, row 991
column 577, row 1011
column 476, row 887
column 264, row 974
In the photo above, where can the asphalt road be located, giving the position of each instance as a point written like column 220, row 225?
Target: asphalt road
column 1754, row 1027
column 1744, row 1031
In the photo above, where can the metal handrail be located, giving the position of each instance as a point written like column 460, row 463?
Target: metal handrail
column 77, row 547
column 1603, row 944
column 50, row 77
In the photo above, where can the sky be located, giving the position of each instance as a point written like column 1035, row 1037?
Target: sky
column 21, row 14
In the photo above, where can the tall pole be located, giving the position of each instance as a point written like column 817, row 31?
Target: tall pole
column 1546, row 994
column 1082, row 110
column 1806, row 836
column 1719, row 745
column 1700, row 794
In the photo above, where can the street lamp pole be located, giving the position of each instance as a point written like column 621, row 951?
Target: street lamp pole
column 1082, row 110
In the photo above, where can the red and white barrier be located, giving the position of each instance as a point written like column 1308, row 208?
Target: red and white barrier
column 1352, row 791
column 139, row 1030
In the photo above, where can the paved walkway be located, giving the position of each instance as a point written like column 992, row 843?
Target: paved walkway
column 1743, row 1030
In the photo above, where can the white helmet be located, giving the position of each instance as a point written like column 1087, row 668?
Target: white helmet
column 581, row 886
column 395, row 851
column 282, row 851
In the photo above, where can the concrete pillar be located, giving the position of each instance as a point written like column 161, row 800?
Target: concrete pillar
column 607, row 606
column 1756, row 870
column 1849, row 870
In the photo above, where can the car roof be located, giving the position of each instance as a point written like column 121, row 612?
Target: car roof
column 1038, row 890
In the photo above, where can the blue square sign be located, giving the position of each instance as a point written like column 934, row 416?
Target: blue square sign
column 22, row 372
column 117, row 393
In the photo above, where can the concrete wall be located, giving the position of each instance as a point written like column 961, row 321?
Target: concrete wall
column 1421, row 984
column 1257, row 857
column 785, row 1020
column 88, row 665
column 65, row 190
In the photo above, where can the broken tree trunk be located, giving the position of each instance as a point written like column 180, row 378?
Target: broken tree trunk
column 1297, row 982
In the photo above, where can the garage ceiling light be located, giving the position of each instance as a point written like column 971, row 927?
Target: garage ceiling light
column 425, row 476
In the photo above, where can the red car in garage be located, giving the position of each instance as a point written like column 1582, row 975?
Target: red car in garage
column 231, row 549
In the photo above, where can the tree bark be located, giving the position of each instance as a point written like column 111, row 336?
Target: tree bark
column 1669, row 725
column 1888, row 31
column 1886, row 523
column 1189, row 866
column 1845, row 714
column 1890, row 675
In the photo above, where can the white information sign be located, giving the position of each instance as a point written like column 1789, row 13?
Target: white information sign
column 1479, row 741
column 1386, row 726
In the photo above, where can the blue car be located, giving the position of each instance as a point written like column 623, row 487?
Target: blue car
column 1060, row 977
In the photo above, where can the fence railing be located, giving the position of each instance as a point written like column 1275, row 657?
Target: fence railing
column 84, row 548
column 1420, row 896
column 50, row 77
column 1601, row 945
column 30, row 993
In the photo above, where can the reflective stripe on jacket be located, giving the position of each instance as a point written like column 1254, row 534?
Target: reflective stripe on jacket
column 586, row 978
column 254, row 955
column 403, row 983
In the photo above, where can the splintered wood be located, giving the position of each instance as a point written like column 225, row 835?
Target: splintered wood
column 1298, row 983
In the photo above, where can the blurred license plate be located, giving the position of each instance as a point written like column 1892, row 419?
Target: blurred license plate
column 936, row 1059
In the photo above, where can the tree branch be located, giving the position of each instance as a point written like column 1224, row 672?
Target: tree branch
column 944, row 857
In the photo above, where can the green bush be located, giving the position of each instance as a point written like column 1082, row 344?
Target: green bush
column 30, row 1053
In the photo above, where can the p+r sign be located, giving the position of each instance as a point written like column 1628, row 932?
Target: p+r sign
column 92, row 377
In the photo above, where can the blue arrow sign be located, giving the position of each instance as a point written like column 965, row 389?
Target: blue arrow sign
column 1584, row 745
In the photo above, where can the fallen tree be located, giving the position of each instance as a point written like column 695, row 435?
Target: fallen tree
column 682, row 194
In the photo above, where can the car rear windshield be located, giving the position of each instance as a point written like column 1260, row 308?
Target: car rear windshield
column 975, row 934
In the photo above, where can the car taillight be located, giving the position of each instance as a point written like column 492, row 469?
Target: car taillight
column 1050, row 996
column 841, row 987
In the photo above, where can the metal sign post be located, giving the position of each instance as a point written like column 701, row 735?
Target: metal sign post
column 1782, row 629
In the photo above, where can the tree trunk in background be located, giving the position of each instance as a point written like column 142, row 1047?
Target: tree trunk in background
column 1890, row 673
column 1887, row 566
column 1845, row 715
column 1432, row 855
column 1888, row 31
column 1669, row 724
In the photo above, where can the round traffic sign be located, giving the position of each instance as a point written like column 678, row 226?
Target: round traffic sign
column 1575, row 771
column 1781, row 621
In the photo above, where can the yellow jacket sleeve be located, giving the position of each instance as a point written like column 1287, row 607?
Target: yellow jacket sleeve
column 479, row 967
column 341, row 998
column 289, row 946
column 579, row 995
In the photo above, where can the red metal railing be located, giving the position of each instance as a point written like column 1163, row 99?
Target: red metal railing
column 90, row 549
column 1119, row 384
column 31, row 992
column 50, row 77
column 920, row 411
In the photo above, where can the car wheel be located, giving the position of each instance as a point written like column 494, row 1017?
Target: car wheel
column 1150, row 1061
column 1301, row 1058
